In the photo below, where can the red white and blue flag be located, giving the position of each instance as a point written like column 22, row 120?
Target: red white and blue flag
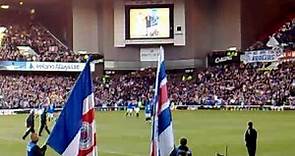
column 74, row 133
column 162, row 139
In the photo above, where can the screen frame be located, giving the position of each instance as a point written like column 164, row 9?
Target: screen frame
column 127, row 20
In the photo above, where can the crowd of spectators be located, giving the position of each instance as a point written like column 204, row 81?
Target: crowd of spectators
column 221, row 85
column 246, row 85
column 237, row 84
column 119, row 88
column 38, row 38
column 27, row 90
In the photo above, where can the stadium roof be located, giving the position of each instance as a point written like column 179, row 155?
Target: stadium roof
column 30, row 2
column 48, row 6
column 34, row 4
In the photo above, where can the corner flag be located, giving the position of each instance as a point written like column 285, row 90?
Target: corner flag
column 162, row 141
column 74, row 133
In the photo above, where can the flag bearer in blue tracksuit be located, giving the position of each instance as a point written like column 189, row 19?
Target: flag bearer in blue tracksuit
column 129, row 108
column 136, row 108
column 33, row 149
column 51, row 111
column 148, row 111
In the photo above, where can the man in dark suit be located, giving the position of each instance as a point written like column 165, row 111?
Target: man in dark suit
column 251, row 138
column 30, row 124
column 43, row 119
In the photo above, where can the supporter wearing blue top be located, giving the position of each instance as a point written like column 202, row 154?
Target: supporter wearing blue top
column 183, row 149
column 153, row 103
column 148, row 108
column 130, row 105
column 148, row 111
column 130, row 108
column 51, row 110
column 33, row 149
column 136, row 108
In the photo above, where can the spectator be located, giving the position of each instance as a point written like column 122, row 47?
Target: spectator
column 33, row 149
column 183, row 149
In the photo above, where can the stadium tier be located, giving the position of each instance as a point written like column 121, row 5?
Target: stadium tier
column 237, row 84
column 33, row 90
column 30, row 41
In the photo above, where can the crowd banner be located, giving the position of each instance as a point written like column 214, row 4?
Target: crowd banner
column 43, row 66
column 267, row 55
column 178, row 107
column 288, row 55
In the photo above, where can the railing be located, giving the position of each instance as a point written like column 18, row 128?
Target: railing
column 58, row 40
column 183, row 107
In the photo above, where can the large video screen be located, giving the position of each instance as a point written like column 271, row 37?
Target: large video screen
column 149, row 23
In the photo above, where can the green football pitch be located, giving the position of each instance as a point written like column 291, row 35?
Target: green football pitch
column 208, row 133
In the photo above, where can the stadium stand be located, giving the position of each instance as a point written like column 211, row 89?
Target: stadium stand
column 223, row 85
column 39, row 39
column 220, row 85
column 23, row 90
column 30, row 89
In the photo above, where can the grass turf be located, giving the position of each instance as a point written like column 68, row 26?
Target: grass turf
column 208, row 132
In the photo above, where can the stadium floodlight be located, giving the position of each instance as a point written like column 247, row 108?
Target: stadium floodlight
column 32, row 11
column 4, row 6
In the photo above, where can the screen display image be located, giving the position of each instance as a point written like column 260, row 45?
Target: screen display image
column 149, row 23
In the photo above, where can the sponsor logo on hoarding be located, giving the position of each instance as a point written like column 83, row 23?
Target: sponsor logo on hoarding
column 43, row 66
column 223, row 59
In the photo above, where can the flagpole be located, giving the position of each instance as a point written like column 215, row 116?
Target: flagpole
column 157, row 75
column 87, row 62
column 155, row 107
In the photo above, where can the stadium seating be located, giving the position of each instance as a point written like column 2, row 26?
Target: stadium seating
column 39, row 39
column 221, row 85
column 30, row 90
column 235, row 85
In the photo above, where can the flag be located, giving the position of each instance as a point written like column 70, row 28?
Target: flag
column 162, row 139
column 74, row 133
column 272, row 42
